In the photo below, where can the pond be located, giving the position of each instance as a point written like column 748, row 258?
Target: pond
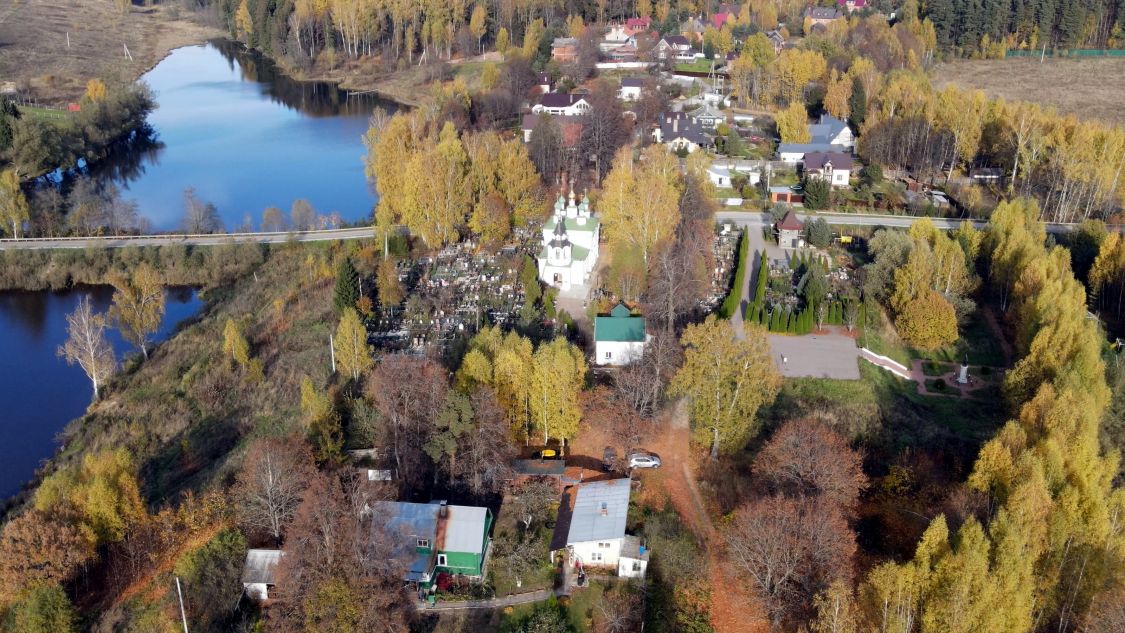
column 43, row 393
column 246, row 137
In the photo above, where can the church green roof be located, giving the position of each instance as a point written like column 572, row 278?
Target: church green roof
column 572, row 224
column 577, row 253
column 619, row 327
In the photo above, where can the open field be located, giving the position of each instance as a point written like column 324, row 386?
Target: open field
column 34, row 52
column 1091, row 88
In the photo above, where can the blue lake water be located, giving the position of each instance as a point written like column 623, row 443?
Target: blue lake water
column 246, row 137
column 43, row 393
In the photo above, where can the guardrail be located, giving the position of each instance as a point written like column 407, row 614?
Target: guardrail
column 259, row 236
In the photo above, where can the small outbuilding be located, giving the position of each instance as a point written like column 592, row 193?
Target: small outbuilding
column 259, row 573
column 789, row 231
column 619, row 337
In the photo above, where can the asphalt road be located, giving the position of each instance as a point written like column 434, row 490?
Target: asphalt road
column 364, row 232
column 741, row 218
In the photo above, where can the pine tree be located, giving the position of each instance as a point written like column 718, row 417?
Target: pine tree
column 347, row 286
column 857, row 103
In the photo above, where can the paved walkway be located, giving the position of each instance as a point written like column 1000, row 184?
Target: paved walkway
column 492, row 603
column 891, row 365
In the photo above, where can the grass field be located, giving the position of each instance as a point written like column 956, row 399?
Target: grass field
column 33, row 38
column 1092, row 88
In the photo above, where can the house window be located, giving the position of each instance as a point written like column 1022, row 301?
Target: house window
column 636, row 565
column 608, row 355
column 441, row 560
column 596, row 557
column 423, row 542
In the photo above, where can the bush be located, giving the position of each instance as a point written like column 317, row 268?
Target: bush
column 818, row 233
column 872, row 174
column 940, row 385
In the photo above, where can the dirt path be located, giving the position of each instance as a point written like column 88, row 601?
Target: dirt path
column 1001, row 337
column 734, row 609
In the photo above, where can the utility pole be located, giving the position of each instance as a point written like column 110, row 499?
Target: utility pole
column 179, row 592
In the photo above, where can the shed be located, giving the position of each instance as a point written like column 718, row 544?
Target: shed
column 789, row 231
column 259, row 573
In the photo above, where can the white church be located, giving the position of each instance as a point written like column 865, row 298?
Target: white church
column 570, row 244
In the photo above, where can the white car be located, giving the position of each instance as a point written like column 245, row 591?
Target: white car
column 643, row 460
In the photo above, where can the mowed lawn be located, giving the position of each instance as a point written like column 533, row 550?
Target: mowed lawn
column 1091, row 88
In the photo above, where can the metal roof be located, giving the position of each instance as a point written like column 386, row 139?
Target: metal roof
column 261, row 566
column 619, row 326
column 461, row 530
column 600, row 510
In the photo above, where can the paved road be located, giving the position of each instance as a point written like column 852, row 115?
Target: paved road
column 741, row 218
column 363, row 232
column 749, row 218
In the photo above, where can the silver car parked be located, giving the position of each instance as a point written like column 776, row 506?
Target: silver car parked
column 644, row 460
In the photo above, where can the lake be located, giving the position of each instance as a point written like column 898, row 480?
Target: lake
column 41, row 392
column 246, row 137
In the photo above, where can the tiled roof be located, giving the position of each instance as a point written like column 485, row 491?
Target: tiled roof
column 790, row 222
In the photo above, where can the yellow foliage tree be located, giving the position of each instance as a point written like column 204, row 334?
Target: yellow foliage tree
column 557, row 378
column 138, row 304
column 726, row 380
column 100, row 493
column 243, row 23
column 928, row 321
column 793, row 124
column 14, row 210
column 95, row 90
column 235, row 344
column 350, row 345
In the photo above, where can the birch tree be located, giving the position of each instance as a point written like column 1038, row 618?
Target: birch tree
column 726, row 381
column 86, row 345
column 350, row 344
column 14, row 210
column 138, row 305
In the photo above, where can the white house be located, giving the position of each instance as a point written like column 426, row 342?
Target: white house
column 674, row 46
column 835, row 167
column 619, row 337
column 631, row 88
column 832, row 131
column 562, row 104
column 596, row 534
column 260, row 572
column 721, row 174
column 570, row 244
column 828, row 135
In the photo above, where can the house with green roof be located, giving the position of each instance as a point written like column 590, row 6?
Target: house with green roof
column 436, row 538
column 619, row 337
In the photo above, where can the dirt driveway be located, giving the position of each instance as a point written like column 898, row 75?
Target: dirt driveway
column 734, row 607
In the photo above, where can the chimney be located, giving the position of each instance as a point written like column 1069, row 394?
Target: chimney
column 443, row 510
column 605, row 509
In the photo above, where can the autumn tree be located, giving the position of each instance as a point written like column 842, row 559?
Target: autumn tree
column 806, row 458
column 39, row 548
column 478, row 24
column 95, row 90
column 534, row 501
column 343, row 568
column 409, row 394
column 545, row 147
column 212, row 575
column 726, row 380
column 350, row 345
column 603, row 128
column 44, row 609
column 235, row 345
column 790, row 549
column 200, row 217
column 558, row 374
column 86, row 345
column 928, row 321
column 138, row 304
column 14, row 210
column 391, row 292
column 792, row 124
column 100, row 494
column 639, row 206
column 270, row 483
